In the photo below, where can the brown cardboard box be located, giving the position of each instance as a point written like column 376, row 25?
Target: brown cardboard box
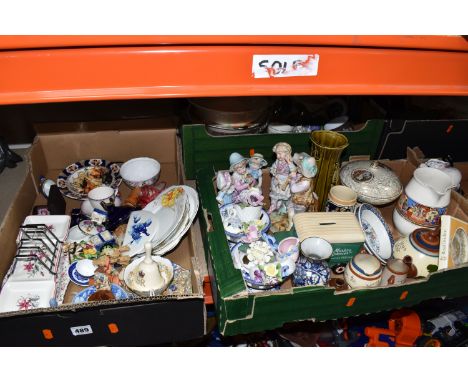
column 142, row 321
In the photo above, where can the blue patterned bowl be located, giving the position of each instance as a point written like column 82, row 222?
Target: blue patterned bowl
column 83, row 296
column 310, row 272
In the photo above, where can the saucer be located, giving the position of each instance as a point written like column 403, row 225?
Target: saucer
column 88, row 227
column 75, row 277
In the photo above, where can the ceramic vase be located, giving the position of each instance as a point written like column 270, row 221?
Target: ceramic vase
column 327, row 147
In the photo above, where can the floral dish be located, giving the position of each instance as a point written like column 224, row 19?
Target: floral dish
column 379, row 239
column 77, row 179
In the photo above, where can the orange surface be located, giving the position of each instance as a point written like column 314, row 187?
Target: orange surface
column 96, row 73
column 412, row 42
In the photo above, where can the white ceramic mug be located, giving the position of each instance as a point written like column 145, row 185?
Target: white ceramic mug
column 103, row 194
column 394, row 273
column 249, row 213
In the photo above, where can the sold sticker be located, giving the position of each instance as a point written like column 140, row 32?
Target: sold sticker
column 81, row 330
column 284, row 65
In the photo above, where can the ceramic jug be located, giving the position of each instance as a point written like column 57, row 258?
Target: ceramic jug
column 424, row 200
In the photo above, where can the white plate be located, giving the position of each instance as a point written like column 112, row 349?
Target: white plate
column 58, row 224
column 141, row 228
column 25, row 295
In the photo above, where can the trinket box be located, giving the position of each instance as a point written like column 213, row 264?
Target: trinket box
column 341, row 229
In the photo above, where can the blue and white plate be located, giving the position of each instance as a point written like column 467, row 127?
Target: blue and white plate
column 76, row 277
column 69, row 179
column 379, row 238
column 83, row 296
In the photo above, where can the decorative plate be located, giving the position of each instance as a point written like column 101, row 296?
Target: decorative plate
column 77, row 179
column 379, row 238
column 373, row 182
column 76, row 277
column 141, row 228
column 118, row 292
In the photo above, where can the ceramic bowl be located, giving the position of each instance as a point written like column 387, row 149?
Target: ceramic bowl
column 363, row 271
column 310, row 272
column 289, row 247
column 118, row 292
column 316, row 248
column 379, row 238
column 336, row 123
column 140, row 172
column 373, row 182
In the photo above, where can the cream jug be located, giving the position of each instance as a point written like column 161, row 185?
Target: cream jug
column 424, row 200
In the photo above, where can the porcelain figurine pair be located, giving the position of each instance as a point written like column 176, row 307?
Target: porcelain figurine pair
column 291, row 189
column 244, row 186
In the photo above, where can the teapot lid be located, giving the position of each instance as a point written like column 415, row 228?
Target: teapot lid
column 426, row 241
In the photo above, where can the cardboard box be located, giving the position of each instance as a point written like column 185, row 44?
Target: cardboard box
column 241, row 312
column 144, row 321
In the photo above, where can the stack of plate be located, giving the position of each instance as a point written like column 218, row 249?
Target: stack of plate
column 173, row 220
column 379, row 239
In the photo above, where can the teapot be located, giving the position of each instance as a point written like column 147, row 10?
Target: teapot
column 419, row 250
column 424, row 200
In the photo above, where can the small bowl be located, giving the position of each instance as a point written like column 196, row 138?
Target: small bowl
column 140, row 172
column 279, row 128
column 316, row 248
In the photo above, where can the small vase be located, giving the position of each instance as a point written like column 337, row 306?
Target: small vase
column 327, row 147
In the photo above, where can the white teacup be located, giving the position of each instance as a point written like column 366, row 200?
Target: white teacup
column 103, row 194
column 249, row 213
column 316, row 248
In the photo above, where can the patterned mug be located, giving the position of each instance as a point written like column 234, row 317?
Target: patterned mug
column 341, row 199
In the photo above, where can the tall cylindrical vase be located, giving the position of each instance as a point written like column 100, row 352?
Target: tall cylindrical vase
column 327, row 147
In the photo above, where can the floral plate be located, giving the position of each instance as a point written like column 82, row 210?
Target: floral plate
column 118, row 292
column 77, row 179
column 141, row 228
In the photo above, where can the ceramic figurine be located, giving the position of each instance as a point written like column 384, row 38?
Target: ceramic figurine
column 303, row 198
column 241, row 179
column 225, row 186
column 256, row 162
column 282, row 170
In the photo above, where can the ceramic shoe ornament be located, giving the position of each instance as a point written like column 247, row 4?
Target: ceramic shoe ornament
column 303, row 198
column 255, row 165
column 283, row 171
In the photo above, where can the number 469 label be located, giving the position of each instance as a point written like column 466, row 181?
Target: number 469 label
column 81, row 330
column 284, row 65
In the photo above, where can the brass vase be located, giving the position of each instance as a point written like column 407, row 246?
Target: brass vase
column 327, row 147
